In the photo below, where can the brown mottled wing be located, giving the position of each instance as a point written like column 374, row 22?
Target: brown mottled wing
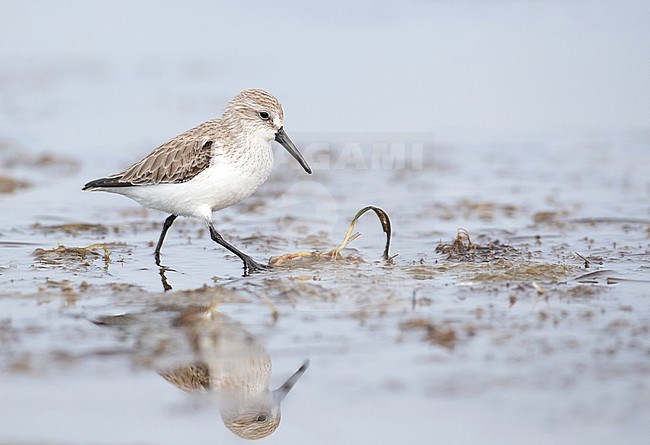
column 179, row 160
column 190, row 378
column 176, row 161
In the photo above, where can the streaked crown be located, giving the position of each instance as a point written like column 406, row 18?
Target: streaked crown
column 255, row 110
column 253, row 425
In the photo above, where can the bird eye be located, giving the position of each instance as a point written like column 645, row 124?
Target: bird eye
column 264, row 115
column 261, row 418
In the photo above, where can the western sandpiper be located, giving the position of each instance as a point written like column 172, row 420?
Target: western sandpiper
column 200, row 350
column 231, row 363
column 210, row 167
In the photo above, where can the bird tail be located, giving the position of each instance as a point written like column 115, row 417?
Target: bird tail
column 110, row 182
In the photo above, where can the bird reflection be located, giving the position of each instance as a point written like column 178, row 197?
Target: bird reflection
column 225, row 360
column 163, row 278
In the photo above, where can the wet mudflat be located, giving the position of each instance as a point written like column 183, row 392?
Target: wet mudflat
column 532, row 323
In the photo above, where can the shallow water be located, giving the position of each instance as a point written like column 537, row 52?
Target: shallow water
column 520, row 341
column 537, row 332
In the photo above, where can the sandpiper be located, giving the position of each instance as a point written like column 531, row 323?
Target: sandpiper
column 202, row 351
column 214, row 165
column 231, row 363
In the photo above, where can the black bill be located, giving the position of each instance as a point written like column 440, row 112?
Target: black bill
column 280, row 393
column 283, row 139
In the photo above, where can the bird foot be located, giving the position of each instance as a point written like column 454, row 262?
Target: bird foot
column 252, row 266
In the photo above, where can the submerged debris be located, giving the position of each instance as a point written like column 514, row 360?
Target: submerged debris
column 10, row 185
column 73, row 256
column 499, row 262
column 516, row 270
column 305, row 259
column 521, row 270
column 551, row 217
column 469, row 209
column 462, row 249
column 72, row 228
column 310, row 258
column 43, row 160
column 441, row 335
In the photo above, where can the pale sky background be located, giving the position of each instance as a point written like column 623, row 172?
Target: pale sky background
column 124, row 71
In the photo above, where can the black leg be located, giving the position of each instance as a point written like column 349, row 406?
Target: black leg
column 250, row 265
column 168, row 223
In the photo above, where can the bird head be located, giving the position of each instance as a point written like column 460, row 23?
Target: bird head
column 255, row 416
column 259, row 113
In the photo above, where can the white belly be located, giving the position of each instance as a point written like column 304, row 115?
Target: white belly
column 220, row 186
